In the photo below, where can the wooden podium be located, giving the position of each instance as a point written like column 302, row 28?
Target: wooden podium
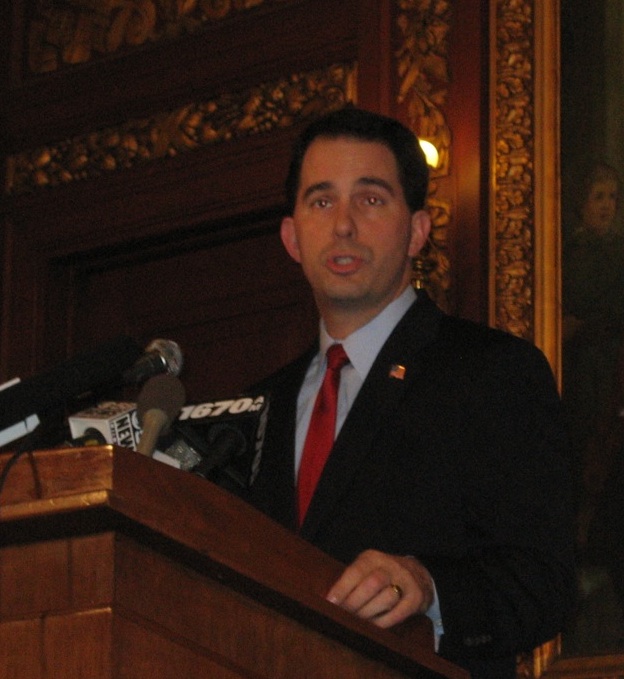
column 114, row 565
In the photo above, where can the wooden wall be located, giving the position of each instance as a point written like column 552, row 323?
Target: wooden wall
column 146, row 145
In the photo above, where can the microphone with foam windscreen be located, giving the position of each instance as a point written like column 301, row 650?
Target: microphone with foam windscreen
column 159, row 403
column 117, row 421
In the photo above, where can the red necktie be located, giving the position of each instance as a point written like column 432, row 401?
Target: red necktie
column 322, row 429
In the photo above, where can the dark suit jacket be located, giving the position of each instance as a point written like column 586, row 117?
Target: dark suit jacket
column 462, row 463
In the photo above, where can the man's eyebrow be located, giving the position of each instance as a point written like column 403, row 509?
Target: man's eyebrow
column 362, row 181
column 313, row 188
column 377, row 181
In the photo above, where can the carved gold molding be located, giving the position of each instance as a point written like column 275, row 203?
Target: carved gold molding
column 512, row 207
column 525, row 290
column 63, row 33
column 524, row 198
column 230, row 116
column 423, row 68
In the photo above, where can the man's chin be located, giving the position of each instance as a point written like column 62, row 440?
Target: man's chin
column 349, row 301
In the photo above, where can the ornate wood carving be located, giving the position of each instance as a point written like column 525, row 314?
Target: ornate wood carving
column 432, row 268
column 423, row 69
column 512, row 214
column 232, row 115
column 62, row 33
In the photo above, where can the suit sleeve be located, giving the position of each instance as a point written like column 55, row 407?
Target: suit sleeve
column 513, row 587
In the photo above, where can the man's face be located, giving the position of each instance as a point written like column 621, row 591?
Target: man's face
column 352, row 230
column 599, row 209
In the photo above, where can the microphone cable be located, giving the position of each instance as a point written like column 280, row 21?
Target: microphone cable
column 27, row 445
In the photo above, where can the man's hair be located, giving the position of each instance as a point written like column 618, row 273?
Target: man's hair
column 365, row 126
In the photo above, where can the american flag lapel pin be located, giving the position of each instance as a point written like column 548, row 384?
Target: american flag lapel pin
column 397, row 372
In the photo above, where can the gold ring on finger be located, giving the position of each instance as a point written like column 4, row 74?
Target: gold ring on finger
column 397, row 590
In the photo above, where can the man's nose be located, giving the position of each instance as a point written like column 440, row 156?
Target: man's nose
column 344, row 224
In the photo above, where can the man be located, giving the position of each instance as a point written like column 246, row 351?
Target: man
column 446, row 489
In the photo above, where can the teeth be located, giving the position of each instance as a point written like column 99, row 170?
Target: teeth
column 345, row 259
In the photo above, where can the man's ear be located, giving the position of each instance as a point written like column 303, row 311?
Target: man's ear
column 289, row 238
column 420, row 229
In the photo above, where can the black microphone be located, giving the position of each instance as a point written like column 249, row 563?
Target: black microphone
column 161, row 356
column 225, row 443
column 159, row 403
column 91, row 437
column 79, row 375
column 221, row 440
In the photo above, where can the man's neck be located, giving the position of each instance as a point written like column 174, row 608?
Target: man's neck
column 341, row 320
column 340, row 324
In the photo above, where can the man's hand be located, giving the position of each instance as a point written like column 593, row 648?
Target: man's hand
column 383, row 588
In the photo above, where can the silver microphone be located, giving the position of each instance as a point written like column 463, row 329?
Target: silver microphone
column 161, row 356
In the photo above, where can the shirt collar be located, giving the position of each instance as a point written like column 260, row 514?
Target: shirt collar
column 363, row 345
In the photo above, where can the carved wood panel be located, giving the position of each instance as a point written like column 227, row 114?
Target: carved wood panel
column 131, row 123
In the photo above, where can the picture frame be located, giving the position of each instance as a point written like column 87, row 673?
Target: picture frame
column 525, row 272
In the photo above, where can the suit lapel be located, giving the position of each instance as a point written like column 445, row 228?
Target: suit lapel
column 274, row 489
column 394, row 370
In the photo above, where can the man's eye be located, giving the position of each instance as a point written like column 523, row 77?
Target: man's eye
column 321, row 202
column 373, row 200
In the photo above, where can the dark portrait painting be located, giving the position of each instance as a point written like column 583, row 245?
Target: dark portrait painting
column 592, row 165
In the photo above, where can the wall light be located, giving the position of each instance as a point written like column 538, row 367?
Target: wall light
column 430, row 151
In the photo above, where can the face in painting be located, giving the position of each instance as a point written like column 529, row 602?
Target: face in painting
column 599, row 209
column 352, row 230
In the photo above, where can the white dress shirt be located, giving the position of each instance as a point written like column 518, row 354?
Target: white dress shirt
column 362, row 347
